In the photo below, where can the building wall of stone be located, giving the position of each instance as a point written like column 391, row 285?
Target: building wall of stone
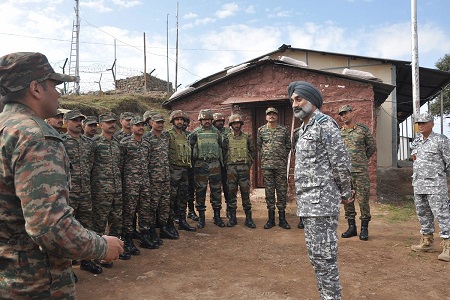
column 135, row 84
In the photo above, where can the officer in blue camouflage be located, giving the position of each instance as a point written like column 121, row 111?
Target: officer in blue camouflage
column 125, row 122
column 90, row 124
column 274, row 144
column 322, row 181
column 295, row 134
column 240, row 153
column 206, row 143
column 431, row 160
column 38, row 232
column 361, row 146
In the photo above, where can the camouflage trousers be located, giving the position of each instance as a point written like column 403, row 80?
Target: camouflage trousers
column 160, row 202
column 322, row 245
column 275, row 180
column 179, row 185
column 82, row 208
column 429, row 206
column 205, row 172
column 225, row 189
column 239, row 176
column 191, row 186
column 136, row 203
column 361, row 185
column 107, row 209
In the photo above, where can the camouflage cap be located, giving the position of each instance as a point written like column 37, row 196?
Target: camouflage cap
column 424, row 118
column 148, row 115
column 126, row 115
column 59, row 112
column 73, row 114
column 158, row 118
column 136, row 120
column 344, row 108
column 271, row 109
column 18, row 70
column 106, row 117
column 90, row 120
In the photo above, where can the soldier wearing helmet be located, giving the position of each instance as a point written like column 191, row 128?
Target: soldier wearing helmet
column 180, row 162
column 206, row 143
column 239, row 158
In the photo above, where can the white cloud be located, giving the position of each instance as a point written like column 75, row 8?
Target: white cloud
column 278, row 12
column 250, row 9
column 227, row 10
column 97, row 5
column 127, row 4
column 190, row 15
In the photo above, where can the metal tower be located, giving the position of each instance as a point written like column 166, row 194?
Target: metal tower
column 74, row 62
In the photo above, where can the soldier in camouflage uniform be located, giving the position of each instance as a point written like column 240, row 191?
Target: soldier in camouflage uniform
column 431, row 160
column 136, row 187
column 125, row 119
column 206, row 144
column 56, row 121
column 38, row 232
column 322, row 180
column 274, row 143
column 191, row 181
column 360, row 146
column 80, row 151
column 159, row 139
column 240, row 153
column 180, row 162
column 295, row 135
column 90, row 125
column 106, row 182
column 219, row 123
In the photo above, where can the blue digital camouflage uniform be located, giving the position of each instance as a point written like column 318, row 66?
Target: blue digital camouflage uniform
column 322, row 179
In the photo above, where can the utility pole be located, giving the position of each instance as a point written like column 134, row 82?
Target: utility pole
column 167, row 52
column 145, row 67
column 176, row 57
column 415, row 61
column 74, row 50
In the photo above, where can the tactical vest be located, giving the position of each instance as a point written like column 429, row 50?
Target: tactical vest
column 180, row 150
column 237, row 149
column 207, row 145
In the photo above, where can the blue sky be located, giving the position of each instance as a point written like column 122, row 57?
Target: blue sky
column 214, row 34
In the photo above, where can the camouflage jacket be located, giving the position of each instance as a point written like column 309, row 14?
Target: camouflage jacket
column 431, row 161
column 273, row 146
column 136, row 157
column 245, row 155
column 106, row 174
column 159, row 157
column 38, row 233
column 322, row 168
column 360, row 146
column 81, row 156
column 119, row 135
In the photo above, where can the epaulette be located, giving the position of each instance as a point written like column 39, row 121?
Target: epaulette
column 125, row 139
column 47, row 130
column 364, row 127
column 321, row 118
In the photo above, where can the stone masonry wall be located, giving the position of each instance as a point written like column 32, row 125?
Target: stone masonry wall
column 135, row 84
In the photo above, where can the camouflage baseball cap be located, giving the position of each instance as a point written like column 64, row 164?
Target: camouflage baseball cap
column 344, row 108
column 106, row 117
column 148, row 115
column 271, row 109
column 90, row 120
column 59, row 112
column 158, row 118
column 73, row 114
column 126, row 115
column 136, row 120
column 424, row 118
column 18, row 70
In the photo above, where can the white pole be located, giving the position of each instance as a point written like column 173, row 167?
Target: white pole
column 415, row 60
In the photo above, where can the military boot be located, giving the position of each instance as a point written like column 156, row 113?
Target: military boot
column 171, row 227
column 217, row 219
column 283, row 223
column 166, row 233
column 445, row 255
column 191, row 211
column 232, row 220
column 147, row 240
column 90, row 266
column 201, row 219
column 271, row 221
column 351, row 231
column 154, row 236
column 183, row 224
column 364, row 234
column 300, row 224
column 426, row 244
column 248, row 219
column 125, row 255
column 128, row 245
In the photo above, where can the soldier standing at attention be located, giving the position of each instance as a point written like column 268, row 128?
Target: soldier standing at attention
column 180, row 162
column 106, row 182
column 90, row 125
column 136, row 187
column 80, row 151
column 219, row 123
column 125, row 119
column 274, row 143
column 240, row 153
column 431, row 160
column 56, row 121
column 38, row 234
column 322, row 181
column 206, row 144
column 361, row 146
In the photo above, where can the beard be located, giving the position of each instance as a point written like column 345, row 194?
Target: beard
column 302, row 112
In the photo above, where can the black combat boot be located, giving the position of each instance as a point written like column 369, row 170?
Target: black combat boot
column 283, row 223
column 183, row 224
column 154, row 236
column 90, row 266
column 248, row 219
column 300, row 224
column 147, row 240
column 217, row 219
column 351, row 231
column 364, row 234
column 171, row 227
column 125, row 255
column 128, row 245
column 271, row 222
column 166, row 233
column 232, row 220
column 201, row 219
column 191, row 214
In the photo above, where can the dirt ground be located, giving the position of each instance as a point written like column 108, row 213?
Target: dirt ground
column 243, row 263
